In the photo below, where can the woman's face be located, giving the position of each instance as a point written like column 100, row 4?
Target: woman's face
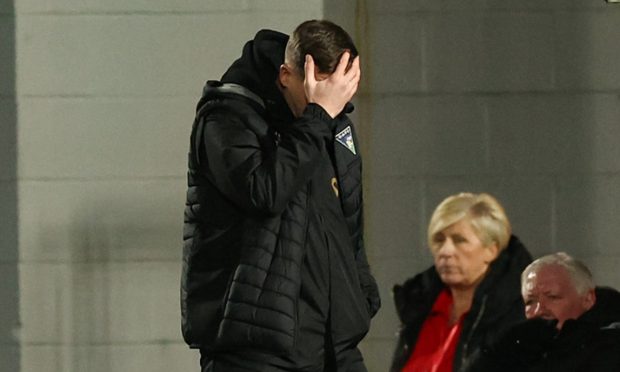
column 460, row 257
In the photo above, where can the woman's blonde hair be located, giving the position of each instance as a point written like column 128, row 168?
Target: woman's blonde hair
column 486, row 216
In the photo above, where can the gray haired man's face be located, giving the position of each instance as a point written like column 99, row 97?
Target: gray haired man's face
column 550, row 293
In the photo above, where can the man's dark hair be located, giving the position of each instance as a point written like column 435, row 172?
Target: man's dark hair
column 325, row 41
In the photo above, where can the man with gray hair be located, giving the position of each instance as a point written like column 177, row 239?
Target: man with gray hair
column 557, row 286
column 571, row 325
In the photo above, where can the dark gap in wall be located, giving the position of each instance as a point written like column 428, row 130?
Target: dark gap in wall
column 9, row 278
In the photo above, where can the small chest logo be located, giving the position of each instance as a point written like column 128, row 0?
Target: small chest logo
column 335, row 186
column 345, row 137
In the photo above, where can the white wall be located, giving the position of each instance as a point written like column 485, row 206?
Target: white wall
column 106, row 93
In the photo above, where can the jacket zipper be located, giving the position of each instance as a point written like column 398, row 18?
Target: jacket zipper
column 307, row 224
column 471, row 332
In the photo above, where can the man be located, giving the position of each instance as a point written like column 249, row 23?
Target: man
column 557, row 287
column 275, row 276
column 572, row 325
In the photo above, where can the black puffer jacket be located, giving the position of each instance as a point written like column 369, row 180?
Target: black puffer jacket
column 249, row 202
column 497, row 304
column 590, row 343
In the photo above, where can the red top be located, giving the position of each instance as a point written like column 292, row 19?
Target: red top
column 434, row 350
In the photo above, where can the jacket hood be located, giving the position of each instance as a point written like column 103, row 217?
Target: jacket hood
column 257, row 70
column 508, row 266
column 504, row 277
column 606, row 310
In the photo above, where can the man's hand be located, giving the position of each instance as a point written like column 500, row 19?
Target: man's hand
column 333, row 92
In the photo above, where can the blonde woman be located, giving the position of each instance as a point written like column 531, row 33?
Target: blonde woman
column 471, row 293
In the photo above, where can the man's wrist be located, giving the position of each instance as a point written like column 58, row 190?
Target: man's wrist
column 316, row 110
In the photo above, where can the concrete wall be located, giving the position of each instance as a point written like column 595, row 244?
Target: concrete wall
column 106, row 93
column 517, row 98
column 520, row 99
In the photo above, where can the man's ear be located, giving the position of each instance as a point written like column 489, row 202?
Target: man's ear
column 284, row 75
column 589, row 299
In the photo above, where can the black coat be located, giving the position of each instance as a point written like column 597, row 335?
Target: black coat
column 497, row 304
column 588, row 344
column 252, row 195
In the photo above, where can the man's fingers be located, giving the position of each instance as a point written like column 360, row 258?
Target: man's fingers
column 333, row 91
column 342, row 65
column 351, row 90
column 309, row 69
column 354, row 72
column 355, row 66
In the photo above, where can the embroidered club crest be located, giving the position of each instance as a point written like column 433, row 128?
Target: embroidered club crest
column 345, row 137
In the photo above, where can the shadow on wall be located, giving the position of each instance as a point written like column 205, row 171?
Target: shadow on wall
column 9, row 286
column 122, row 281
column 89, row 293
